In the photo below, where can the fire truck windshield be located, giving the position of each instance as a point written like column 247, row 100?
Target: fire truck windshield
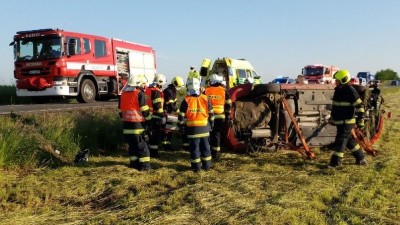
column 38, row 48
column 313, row 71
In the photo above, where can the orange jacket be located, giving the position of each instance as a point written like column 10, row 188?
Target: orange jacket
column 197, row 111
column 130, row 106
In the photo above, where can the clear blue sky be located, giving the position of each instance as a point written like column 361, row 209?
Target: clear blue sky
column 278, row 37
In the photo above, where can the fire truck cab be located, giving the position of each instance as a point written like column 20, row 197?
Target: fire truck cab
column 319, row 74
column 54, row 62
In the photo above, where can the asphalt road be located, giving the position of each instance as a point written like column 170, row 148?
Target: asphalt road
column 7, row 109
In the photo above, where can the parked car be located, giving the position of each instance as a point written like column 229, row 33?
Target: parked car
column 283, row 80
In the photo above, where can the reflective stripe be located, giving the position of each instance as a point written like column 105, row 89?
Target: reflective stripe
column 198, row 135
column 360, row 110
column 148, row 118
column 160, row 110
column 196, row 123
column 171, row 101
column 182, row 114
column 219, row 116
column 338, row 154
column 218, row 108
column 165, row 142
column 157, row 100
column 144, row 159
column 144, row 108
column 153, row 146
column 340, row 122
column 356, row 148
column 359, row 101
column 133, row 131
column 216, row 148
column 208, row 158
column 195, row 160
column 228, row 101
column 133, row 158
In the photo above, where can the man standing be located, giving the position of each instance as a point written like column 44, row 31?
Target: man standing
column 346, row 104
column 170, row 107
column 196, row 115
column 222, row 104
column 135, row 113
column 155, row 101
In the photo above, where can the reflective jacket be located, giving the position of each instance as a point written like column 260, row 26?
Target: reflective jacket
column 155, row 101
column 197, row 114
column 346, row 103
column 220, row 100
column 134, row 110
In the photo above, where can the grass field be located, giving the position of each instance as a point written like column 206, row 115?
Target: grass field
column 40, row 187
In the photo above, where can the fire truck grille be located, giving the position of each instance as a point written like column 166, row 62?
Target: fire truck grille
column 35, row 72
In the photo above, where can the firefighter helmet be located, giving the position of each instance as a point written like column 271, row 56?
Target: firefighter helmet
column 178, row 82
column 160, row 79
column 137, row 80
column 343, row 76
column 215, row 79
column 193, row 86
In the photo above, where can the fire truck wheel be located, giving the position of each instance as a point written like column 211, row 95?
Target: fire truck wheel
column 87, row 92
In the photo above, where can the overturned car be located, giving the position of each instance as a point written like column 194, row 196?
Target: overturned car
column 275, row 116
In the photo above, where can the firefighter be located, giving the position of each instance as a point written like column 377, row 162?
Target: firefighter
column 170, row 98
column 155, row 101
column 197, row 118
column 135, row 115
column 222, row 104
column 346, row 104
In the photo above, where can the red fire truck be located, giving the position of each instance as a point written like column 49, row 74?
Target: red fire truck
column 319, row 74
column 54, row 62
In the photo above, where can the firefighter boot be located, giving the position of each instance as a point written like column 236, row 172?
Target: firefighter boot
column 196, row 167
column 144, row 166
column 360, row 157
column 134, row 164
column 215, row 155
column 206, row 164
column 335, row 161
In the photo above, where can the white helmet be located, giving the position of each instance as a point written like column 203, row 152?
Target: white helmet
column 215, row 79
column 193, row 86
column 137, row 80
column 159, row 79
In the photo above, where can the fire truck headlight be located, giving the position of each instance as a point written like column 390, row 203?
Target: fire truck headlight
column 60, row 82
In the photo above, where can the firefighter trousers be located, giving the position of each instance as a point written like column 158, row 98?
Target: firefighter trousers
column 200, row 154
column 138, row 151
column 344, row 139
column 155, row 137
column 215, row 138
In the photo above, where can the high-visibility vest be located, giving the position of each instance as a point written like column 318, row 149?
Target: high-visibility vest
column 130, row 107
column 197, row 111
column 151, row 101
column 217, row 98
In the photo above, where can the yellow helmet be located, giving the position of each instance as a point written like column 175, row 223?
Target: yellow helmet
column 343, row 76
column 178, row 82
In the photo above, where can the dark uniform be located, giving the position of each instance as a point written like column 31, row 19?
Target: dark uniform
column 198, row 112
column 135, row 113
column 169, row 107
column 346, row 104
column 222, row 104
column 155, row 100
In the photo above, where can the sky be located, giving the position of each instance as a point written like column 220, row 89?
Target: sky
column 278, row 37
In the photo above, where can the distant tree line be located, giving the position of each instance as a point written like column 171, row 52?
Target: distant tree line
column 387, row 74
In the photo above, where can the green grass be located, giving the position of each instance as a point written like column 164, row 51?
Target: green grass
column 262, row 188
